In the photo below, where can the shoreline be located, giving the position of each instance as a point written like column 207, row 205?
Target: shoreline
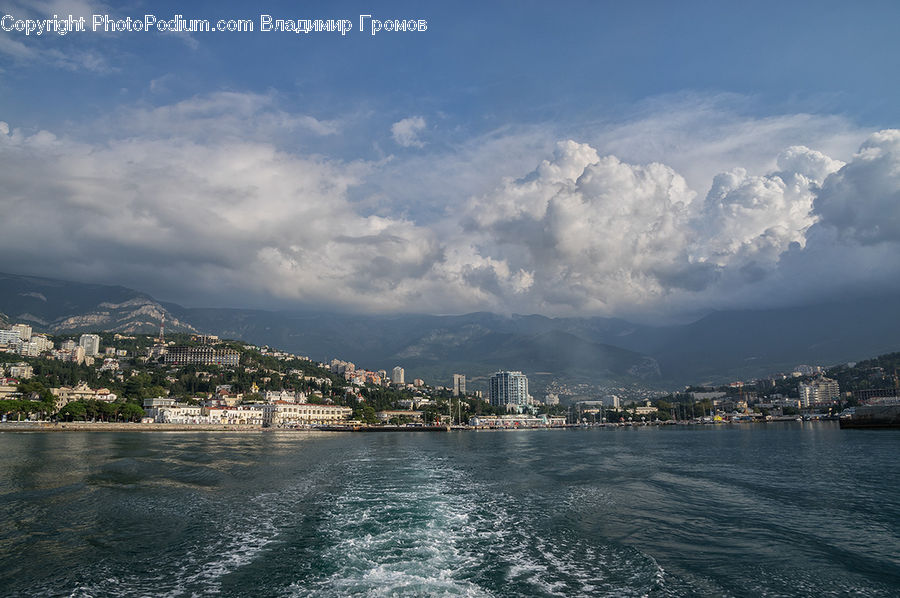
column 123, row 427
column 26, row 426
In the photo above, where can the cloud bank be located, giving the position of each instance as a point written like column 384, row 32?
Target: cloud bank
column 227, row 219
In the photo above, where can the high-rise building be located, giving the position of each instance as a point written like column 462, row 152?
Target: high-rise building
column 397, row 375
column 459, row 385
column 509, row 389
column 10, row 337
column 91, row 344
column 820, row 390
column 24, row 331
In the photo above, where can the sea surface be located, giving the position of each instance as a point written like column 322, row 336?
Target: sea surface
column 793, row 509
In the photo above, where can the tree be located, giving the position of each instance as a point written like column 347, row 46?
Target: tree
column 74, row 411
column 131, row 412
column 134, row 389
column 365, row 413
column 108, row 411
column 34, row 390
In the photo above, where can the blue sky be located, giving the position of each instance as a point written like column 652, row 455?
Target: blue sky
column 483, row 64
column 609, row 158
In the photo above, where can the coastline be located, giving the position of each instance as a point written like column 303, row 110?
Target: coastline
column 30, row 426
column 124, row 427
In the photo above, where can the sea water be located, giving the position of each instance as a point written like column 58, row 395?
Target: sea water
column 788, row 509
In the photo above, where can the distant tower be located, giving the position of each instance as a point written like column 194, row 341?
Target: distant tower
column 459, row 385
column 162, row 329
column 91, row 344
column 509, row 390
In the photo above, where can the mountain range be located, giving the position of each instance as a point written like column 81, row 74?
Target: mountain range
column 719, row 347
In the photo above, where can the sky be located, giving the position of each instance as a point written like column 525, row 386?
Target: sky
column 645, row 160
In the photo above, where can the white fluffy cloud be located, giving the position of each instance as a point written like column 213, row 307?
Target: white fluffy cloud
column 406, row 132
column 600, row 235
column 862, row 200
column 231, row 216
column 591, row 232
column 756, row 218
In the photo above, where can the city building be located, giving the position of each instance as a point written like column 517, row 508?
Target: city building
column 10, row 337
column 397, row 375
column 342, row 367
column 202, row 355
column 516, row 421
column 282, row 414
column 156, row 402
column 110, row 365
column 509, row 390
column 34, row 347
column 91, row 344
column 818, row 391
column 459, row 385
column 284, row 396
column 24, row 331
column 178, row 413
column 21, row 371
column 399, row 414
column 875, row 394
column 245, row 415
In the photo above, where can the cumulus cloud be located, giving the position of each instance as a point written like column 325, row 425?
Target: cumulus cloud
column 601, row 235
column 862, row 200
column 701, row 136
column 177, row 196
column 406, row 132
column 756, row 218
column 592, row 232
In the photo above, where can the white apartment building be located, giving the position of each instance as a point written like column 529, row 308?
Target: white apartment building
column 178, row 414
column 91, row 344
column 509, row 390
column 820, row 390
column 21, row 371
column 251, row 415
column 281, row 415
column 287, row 396
column 24, row 331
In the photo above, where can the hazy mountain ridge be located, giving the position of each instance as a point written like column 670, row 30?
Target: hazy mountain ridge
column 716, row 348
column 57, row 306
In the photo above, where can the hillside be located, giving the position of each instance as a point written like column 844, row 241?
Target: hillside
column 57, row 306
column 717, row 348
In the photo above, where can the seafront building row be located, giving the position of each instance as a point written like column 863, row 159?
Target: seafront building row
column 280, row 414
